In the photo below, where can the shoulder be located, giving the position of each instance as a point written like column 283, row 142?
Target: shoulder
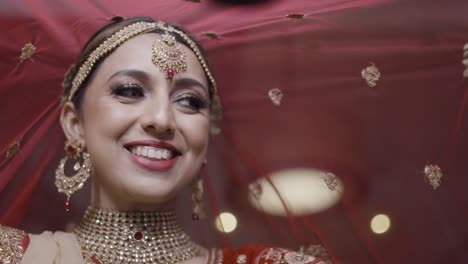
column 16, row 246
column 262, row 255
column 13, row 244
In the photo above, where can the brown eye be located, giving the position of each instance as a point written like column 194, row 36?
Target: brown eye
column 192, row 102
column 131, row 91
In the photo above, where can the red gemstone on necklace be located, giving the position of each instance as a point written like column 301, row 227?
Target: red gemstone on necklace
column 138, row 235
column 170, row 74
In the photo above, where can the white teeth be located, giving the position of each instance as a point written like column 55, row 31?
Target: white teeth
column 152, row 153
column 158, row 154
column 166, row 153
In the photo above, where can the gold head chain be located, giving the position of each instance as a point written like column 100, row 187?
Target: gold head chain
column 167, row 54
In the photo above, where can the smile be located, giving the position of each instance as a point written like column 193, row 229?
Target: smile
column 152, row 152
column 153, row 155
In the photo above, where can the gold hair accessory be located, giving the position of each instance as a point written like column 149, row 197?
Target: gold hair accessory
column 69, row 185
column 122, row 36
column 134, row 237
column 169, row 56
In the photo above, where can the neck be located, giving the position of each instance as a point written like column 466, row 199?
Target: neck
column 134, row 237
column 120, row 200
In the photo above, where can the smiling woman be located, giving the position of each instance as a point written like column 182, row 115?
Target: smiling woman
column 130, row 105
column 136, row 113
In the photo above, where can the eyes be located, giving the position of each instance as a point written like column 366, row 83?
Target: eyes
column 130, row 93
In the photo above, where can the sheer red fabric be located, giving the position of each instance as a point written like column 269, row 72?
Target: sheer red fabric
column 375, row 131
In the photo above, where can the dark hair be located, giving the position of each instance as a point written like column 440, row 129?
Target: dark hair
column 99, row 37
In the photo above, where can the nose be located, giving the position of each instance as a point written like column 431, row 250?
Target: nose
column 158, row 117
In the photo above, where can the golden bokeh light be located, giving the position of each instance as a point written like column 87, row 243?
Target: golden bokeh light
column 380, row 224
column 304, row 190
column 226, row 222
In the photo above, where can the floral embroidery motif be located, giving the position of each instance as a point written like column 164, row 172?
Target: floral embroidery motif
column 11, row 245
column 465, row 60
column 255, row 189
column 330, row 180
column 295, row 16
column 276, row 96
column 12, row 150
column 433, row 174
column 283, row 256
column 27, row 51
column 211, row 35
column 271, row 254
column 318, row 251
column 242, row 259
column 297, row 258
column 371, row 75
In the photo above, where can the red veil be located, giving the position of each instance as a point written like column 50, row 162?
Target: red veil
column 368, row 92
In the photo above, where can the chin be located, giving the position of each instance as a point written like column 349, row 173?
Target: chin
column 151, row 193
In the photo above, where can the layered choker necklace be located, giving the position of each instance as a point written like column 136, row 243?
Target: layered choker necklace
column 134, row 237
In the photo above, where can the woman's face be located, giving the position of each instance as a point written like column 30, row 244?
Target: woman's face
column 147, row 136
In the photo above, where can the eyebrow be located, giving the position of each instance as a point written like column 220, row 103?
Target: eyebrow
column 188, row 82
column 140, row 75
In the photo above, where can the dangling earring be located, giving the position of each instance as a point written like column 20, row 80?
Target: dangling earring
column 69, row 185
column 197, row 199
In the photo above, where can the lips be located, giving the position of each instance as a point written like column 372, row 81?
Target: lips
column 153, row 155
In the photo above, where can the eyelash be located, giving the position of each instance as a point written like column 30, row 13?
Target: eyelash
column 194, row 102
column 135, row 91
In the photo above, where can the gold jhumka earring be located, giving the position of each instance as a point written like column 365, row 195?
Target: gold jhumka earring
column 70, row 184
column 197, row 199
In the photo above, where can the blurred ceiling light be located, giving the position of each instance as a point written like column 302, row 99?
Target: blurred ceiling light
column 380, row 224
column 305, row 191
column 226, row 222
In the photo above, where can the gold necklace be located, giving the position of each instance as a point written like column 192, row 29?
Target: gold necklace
column 134, row 237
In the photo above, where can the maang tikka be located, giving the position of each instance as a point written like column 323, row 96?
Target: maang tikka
column 70, row 184
column 169, row 55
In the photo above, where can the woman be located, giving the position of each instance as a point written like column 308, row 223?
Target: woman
column 137, row 108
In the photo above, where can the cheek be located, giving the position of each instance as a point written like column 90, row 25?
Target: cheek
column 195, row 130
column 105, row 119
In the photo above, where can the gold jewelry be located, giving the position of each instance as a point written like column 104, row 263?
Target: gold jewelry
column 134, row 237
column 169, row 56
column 69, row 185
column 197, row 199
column 122, row 36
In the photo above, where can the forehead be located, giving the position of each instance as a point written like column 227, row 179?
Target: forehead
column 137, row 52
